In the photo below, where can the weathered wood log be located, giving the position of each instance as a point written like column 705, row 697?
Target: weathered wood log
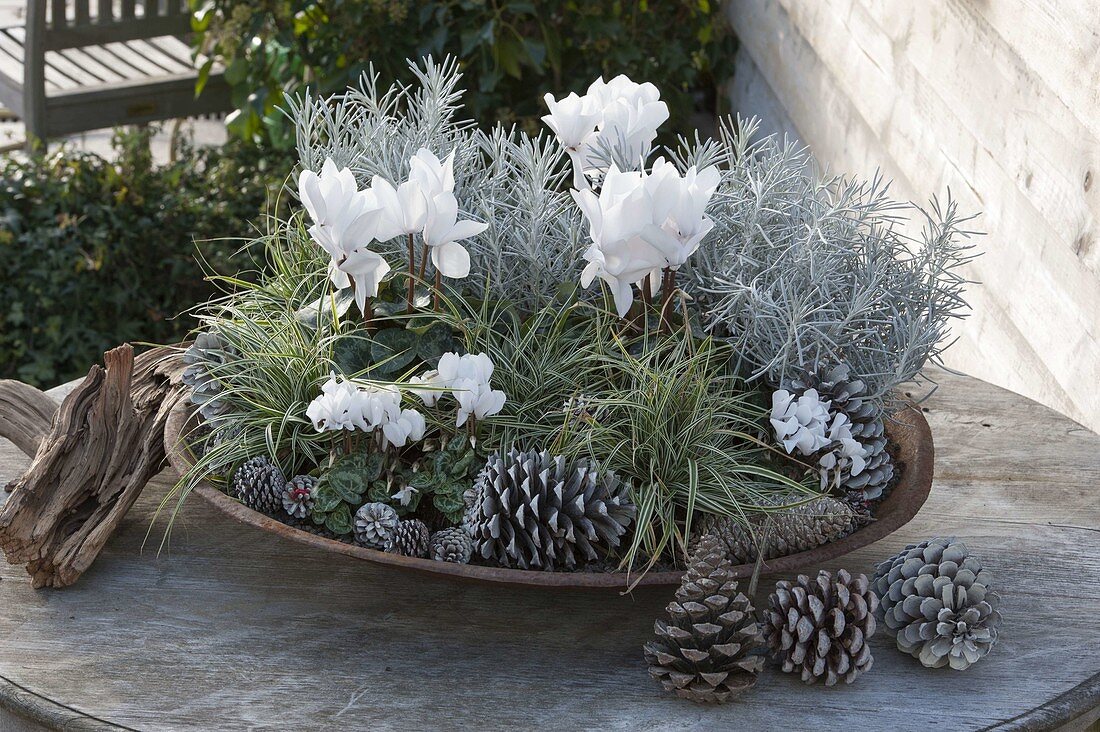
column 25, row 414
column 105, row 443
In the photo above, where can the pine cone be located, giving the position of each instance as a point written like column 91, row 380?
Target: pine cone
column 203, row 358
column 939, row 603
column 451, row 545
column 298, row 495
column 707, row 653
column 848, row 396
column 259, row 484
column 820, row 628
column 375, row 523
column 783, row 532
column 535, row 511
column 409, row 539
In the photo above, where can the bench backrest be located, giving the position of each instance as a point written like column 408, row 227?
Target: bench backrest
column 62, row 24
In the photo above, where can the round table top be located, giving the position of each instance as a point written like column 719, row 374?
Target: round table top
column 231, row 628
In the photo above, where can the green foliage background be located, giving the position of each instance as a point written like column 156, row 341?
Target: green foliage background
column 512, row 52
column 96, row 253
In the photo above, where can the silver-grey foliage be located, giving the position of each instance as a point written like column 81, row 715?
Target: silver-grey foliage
column 804, row 271
column 505, row 178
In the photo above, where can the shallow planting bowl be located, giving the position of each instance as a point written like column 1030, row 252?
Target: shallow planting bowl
column 908, row 432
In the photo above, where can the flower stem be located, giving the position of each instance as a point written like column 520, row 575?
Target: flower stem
column 412, row 275
column 668, row 283
column 647, row 295
column 423, row 263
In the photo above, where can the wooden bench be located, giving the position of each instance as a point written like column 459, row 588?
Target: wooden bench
column 76, row 66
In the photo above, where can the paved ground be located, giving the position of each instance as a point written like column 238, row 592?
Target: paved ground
column 12, row 133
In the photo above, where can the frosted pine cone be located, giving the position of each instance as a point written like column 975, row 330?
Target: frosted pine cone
column 820, row 628
column 939, row 603
column 204, row 357
column 259, row 484
column 298, row 495
column 451, row 545
column 409, row 539
column 781, row 532
column 375, row 524
column 536, row 511
column 706, row 652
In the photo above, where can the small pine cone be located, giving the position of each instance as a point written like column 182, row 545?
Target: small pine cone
column 259, row 484
column 820, row 628
column 409, row 539
column 536, row 511
column 707, row 651
column 298, row 495
column 939, row 602
column 451, row 545
column 375, row 524
column 783, row 532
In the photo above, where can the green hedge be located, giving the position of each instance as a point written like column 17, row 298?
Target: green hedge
column 96, row 253
column 512, row 52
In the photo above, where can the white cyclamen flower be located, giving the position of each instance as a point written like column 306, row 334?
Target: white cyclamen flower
column 405, row 495
column 427, row 387
column 337, row 408
column 404, row 209
column 432, row 176
column 619, row 115
column 467, row 378
column 345, row 222
column 409, row 426
column 619, row 255
column 443, row 232
column 630, row 126
column 800, row 424
column 678, row 208
column 573, row 119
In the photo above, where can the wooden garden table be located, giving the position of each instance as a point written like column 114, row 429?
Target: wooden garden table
column 236, row 629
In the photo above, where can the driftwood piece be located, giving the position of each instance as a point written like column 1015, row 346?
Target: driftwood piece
column 105, row 443
column 25, row 414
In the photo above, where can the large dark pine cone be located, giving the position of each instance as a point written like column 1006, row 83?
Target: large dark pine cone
column 203, row 357
column 536, row 511
column 939, row 602
column 820, row 628
column 707, row 651
column 409, row 539
column 259, row 484
column 781, row 532
column 848, row 396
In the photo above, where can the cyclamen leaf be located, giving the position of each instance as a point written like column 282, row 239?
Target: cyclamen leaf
column 339, row 521
column 392, row 350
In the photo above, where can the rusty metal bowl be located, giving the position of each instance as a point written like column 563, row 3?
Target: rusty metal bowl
column 908, row 432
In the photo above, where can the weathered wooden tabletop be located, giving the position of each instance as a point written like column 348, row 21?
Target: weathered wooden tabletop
column 236, row 629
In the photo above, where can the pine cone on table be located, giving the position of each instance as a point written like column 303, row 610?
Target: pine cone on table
column 409, row 539
column 939, row 603
column 298, row 495
column 780, row 532
column 536, row 511
column 451, row 545
column 820, row 628
column 707, row 650
column 375, row 524
column 259, row 484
